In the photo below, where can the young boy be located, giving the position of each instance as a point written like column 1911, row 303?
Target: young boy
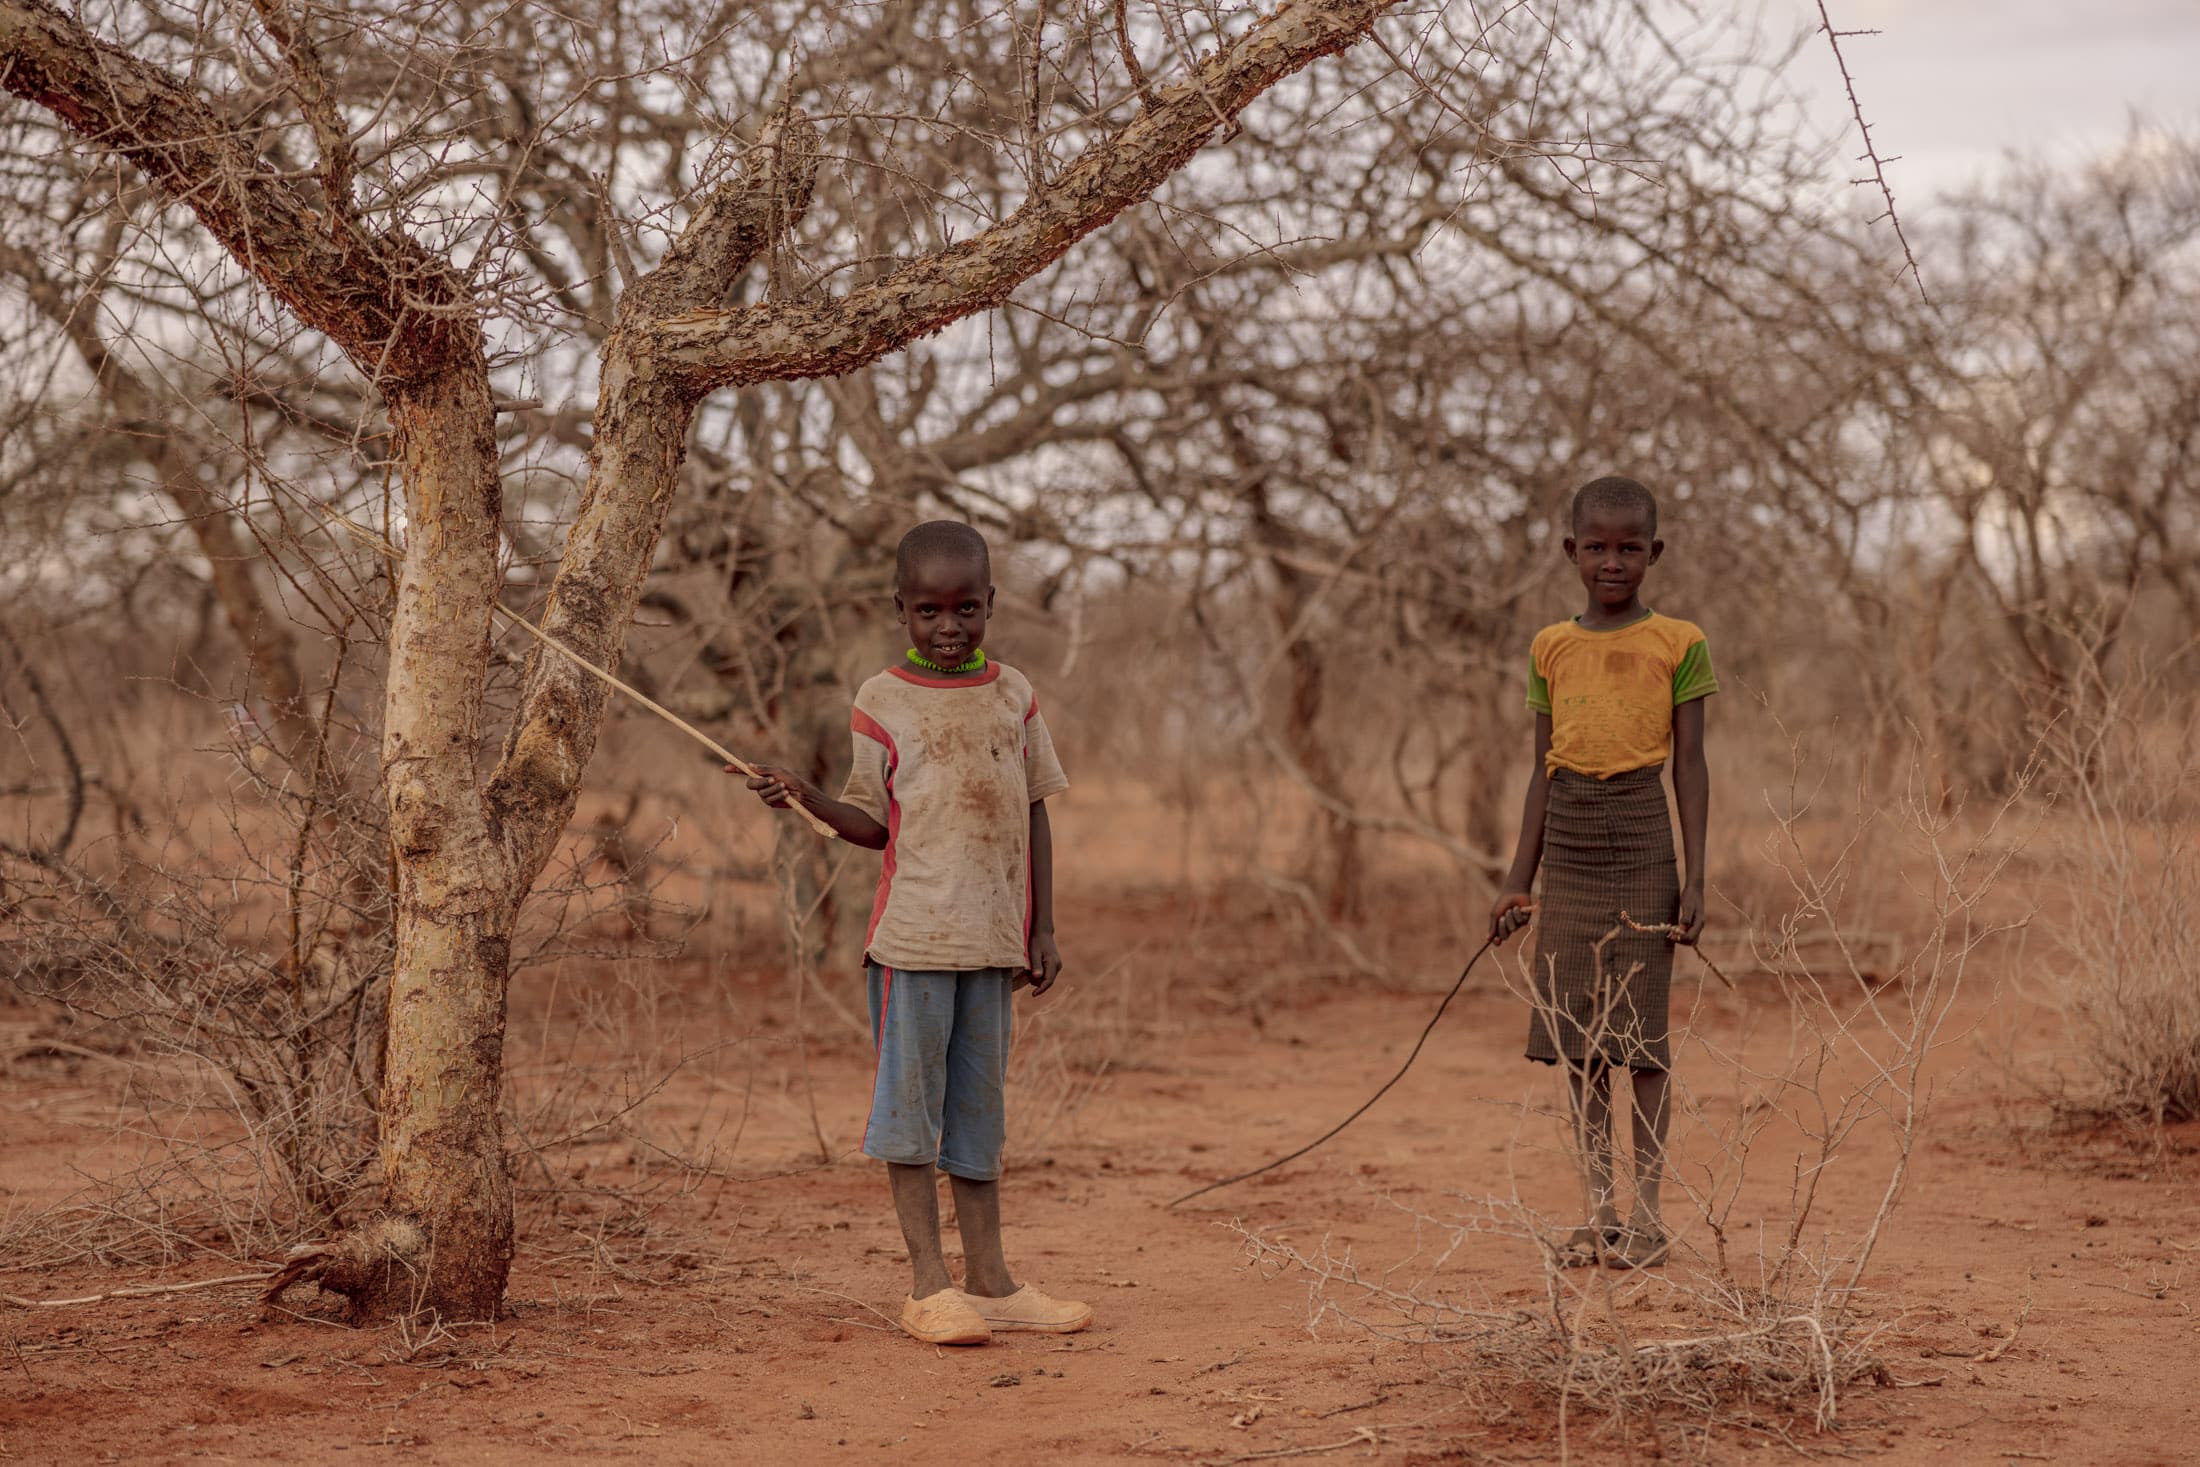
column 952, row 767
column 1616, row 692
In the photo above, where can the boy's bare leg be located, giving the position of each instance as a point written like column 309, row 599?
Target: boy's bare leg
column 978, row 1215
column 917, row 1205
column 1591, row 1090
column 1653, row 1115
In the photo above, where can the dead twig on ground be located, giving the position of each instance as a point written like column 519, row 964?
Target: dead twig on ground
column 2016, row 1327
column 139, row 1291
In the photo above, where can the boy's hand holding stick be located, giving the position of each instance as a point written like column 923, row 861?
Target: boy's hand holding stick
column 782, row 790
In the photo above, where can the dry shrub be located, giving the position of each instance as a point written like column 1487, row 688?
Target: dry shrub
column 230, row 950
column 2127, row 770
column 221, row 954
column 1066, row 1053
column 1718, row 1354
column 1796, row 1121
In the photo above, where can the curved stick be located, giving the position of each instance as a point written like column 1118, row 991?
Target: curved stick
column 1366, row 1105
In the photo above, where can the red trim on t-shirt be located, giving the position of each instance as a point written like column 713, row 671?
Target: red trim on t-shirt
column 886, row 866
column 990, row 672
column 863, row 723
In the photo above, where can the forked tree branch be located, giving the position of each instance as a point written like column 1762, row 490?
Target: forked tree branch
column 781, row 341
column 339, row 159
column 641, row 427
column 399, row 312
column 735, row 222
column 672, row 347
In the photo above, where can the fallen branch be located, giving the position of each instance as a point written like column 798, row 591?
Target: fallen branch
column 139, row 1291
column 1366, row 1436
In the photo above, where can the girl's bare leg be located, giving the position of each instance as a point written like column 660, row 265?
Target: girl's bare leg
column 1591, row 1089
column 1653, row 1116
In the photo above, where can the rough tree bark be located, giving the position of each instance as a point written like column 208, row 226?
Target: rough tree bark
column 467, row 851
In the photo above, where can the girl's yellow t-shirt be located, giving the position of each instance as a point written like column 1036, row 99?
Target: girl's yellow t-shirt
column 1611, row 694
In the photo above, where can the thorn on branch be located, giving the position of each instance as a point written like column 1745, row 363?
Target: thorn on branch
column 1130, row 56
column 1834, row 38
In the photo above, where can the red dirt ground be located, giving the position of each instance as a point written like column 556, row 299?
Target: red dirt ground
column 763, row 1341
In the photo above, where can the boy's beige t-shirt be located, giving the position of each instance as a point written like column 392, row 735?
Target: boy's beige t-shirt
column 951, row 767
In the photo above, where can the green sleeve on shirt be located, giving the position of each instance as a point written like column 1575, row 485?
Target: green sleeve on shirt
column 1539, row 691
column 1694, row 679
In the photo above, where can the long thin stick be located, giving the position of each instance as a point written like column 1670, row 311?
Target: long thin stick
column 809, row 817
column 140, row 1291
column 1366, row 1105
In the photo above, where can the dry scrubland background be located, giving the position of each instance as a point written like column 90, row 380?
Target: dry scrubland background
column 1274, row 469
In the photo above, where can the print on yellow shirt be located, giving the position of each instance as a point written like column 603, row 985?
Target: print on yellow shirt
column 1611, row 694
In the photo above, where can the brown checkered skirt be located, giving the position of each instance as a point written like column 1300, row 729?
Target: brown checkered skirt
column 1607, row 849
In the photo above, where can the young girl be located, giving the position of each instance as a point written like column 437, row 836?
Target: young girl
column 1617, row 691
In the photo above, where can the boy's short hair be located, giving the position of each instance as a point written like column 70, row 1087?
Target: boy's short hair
column 1615, row 492
column 941, row 540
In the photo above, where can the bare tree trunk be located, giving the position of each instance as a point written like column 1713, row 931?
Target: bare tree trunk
column 442, row 1085
column 1333, row 847
column 406, row 318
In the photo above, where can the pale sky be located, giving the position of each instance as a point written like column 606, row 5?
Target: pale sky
column 1952, row 85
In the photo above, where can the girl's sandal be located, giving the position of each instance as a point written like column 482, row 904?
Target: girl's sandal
column 1587, row 1246
column 1638, row 1249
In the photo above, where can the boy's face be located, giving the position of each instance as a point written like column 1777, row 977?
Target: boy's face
column 945, row 604
column 1613, row 550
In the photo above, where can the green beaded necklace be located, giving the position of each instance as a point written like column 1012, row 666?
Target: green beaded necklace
column 976, row 663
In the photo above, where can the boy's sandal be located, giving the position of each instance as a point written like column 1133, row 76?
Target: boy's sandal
column 945, row 1318
column 1587, row 1245
column 1028, row 1309
column 1640, row 1249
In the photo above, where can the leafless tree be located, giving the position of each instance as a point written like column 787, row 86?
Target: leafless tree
column 348, row 163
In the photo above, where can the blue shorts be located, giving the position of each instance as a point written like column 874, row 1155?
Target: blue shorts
column 942, row 1060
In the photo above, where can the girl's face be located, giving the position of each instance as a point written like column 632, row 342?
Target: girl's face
column 1613, row 550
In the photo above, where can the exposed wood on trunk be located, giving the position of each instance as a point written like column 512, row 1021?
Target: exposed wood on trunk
column 442, row 1086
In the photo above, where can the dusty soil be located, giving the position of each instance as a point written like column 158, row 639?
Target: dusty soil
column 742, row 1315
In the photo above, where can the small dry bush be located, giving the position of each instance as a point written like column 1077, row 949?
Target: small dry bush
column 218, row 956
column 1797, row 1112
column 227, row 948
column 2126, row 766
